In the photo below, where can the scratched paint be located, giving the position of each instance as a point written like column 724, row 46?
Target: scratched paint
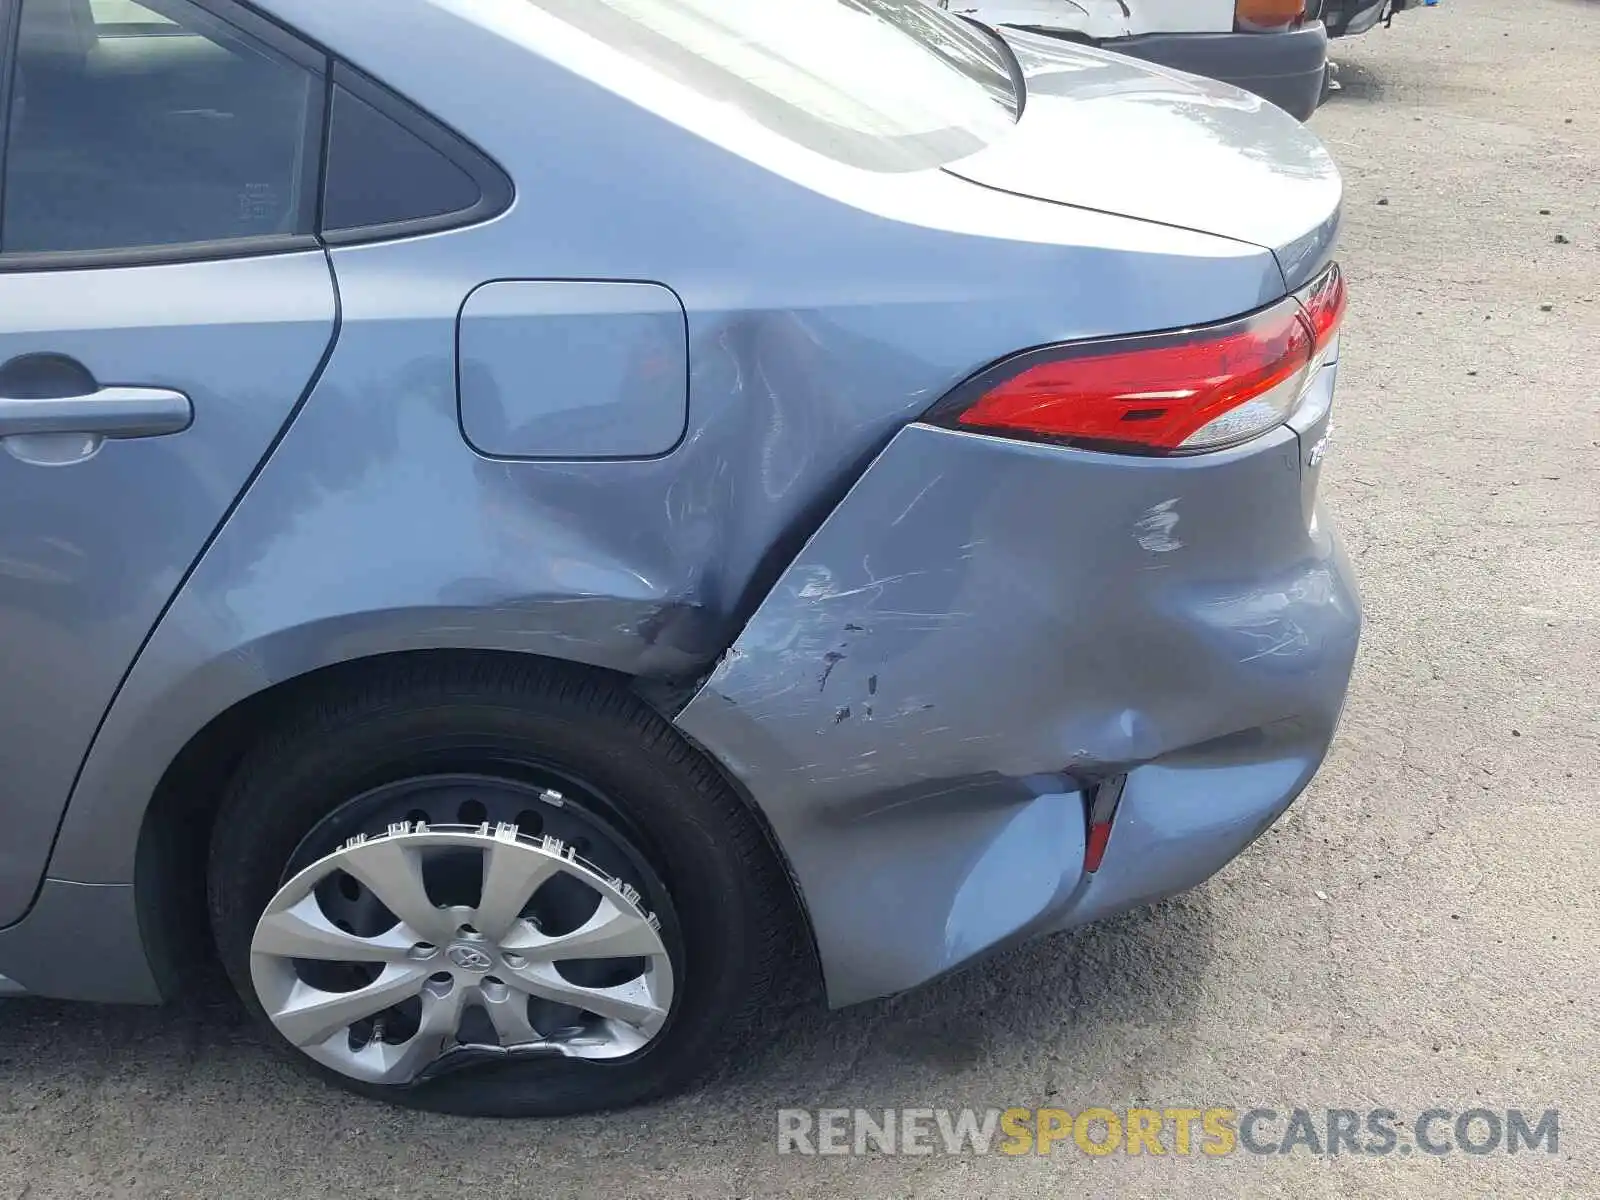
column 1155, row 530
column 924, row 699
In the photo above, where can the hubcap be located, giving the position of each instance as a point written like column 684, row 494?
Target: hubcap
column 383, row 1006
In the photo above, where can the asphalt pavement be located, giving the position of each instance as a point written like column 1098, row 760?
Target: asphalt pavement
column 1420, row 932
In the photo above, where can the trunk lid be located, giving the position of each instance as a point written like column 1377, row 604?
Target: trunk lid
column 1106, row 132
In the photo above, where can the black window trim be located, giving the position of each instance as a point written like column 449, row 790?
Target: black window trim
column 495, row 188
column 265, row 30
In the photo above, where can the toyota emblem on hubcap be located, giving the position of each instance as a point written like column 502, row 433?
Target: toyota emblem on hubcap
column 469, row 958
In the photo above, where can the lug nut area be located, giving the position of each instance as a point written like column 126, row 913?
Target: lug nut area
column 473, row 957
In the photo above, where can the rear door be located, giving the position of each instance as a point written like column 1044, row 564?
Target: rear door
column 164, row 308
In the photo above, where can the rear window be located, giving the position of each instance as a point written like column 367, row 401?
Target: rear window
column 887, row 85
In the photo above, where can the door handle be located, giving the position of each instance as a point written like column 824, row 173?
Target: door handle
column 110, row 412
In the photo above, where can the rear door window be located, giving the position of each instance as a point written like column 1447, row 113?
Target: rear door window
column 139, row 125
column 887, row 85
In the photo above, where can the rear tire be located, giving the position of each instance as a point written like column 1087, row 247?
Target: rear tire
column 732, row 929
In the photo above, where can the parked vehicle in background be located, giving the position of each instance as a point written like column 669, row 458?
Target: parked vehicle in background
column 520, row 606
column 1274, row 48
column 1345, row 18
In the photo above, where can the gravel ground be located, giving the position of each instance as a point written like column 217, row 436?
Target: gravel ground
column 1420, row 931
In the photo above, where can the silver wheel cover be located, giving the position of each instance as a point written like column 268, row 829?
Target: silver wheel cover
column 448, row 959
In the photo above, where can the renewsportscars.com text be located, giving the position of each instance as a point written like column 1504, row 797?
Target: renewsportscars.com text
column 1176, row 1131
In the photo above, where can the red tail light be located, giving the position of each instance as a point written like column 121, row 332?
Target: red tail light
column 1094, row 851
column 1184, row 392
column 1324, row 304
column 1102, row 811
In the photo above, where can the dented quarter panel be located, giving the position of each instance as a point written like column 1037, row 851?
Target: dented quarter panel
column 984, row 627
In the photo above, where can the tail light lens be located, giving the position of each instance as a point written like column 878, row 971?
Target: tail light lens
column 1170, row 393
column 1102, row 811
column 1268, row 14
column 1324, row 304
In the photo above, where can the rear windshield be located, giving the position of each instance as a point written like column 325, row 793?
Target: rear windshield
column 887, row 85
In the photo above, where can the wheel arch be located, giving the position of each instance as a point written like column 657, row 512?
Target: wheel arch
column 174, row 829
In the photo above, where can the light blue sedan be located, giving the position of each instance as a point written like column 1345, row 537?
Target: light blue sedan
column 530, row 526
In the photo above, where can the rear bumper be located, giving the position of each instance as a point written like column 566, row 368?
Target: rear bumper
column 981, row 631
column 1286, row 68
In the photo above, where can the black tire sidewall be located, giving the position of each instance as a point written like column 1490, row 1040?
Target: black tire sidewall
column 628, row 756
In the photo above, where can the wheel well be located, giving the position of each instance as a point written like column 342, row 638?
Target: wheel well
column 175, row 836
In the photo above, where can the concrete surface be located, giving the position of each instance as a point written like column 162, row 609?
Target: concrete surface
column 1455, row 960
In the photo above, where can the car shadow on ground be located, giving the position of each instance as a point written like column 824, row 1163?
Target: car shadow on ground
column 942, row 1044
column 970, row 1026
column 1358, row 83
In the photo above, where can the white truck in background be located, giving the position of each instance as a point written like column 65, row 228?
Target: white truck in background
column 1275, row 48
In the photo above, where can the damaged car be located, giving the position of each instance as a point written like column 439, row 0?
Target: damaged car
column 533, row 567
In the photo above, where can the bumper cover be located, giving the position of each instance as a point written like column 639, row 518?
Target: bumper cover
column 1286, row 68
column 985, row 628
